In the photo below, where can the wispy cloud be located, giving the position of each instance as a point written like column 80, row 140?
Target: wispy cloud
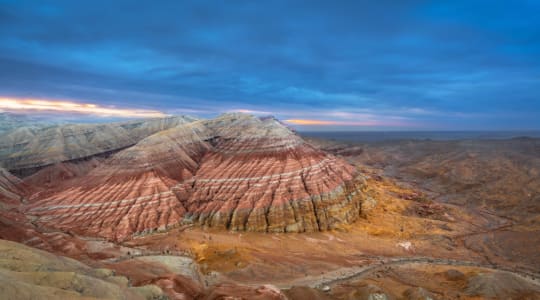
column 59, row 106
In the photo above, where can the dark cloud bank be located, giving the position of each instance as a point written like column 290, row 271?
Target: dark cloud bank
column 391, row 64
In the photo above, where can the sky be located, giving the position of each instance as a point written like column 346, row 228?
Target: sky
column 328, row 65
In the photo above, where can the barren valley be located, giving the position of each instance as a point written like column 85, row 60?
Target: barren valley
column 241, row 207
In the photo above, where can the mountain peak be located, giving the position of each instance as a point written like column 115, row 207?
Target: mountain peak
column 235, row 172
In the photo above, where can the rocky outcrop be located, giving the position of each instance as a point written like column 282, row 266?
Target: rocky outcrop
column 235, row 172
column 234, row 291
column 28, row 273
column 418, row 293
column 26, row 150
column 501, row 285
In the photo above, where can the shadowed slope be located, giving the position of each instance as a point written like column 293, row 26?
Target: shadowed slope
column 12, row 192
column 11, row 188
column 26, row 150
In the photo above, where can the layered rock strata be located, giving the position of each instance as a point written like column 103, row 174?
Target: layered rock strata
column 259, row 176
column 14, row 225
column 12, row 189
column 12, row 192
column 26, row 150
column 235, row 172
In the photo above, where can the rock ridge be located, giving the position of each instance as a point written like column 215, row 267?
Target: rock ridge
column 235, row 172
column 25, row 150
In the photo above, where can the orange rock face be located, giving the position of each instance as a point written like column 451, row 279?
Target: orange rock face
column 235, row 172
column 275, row 189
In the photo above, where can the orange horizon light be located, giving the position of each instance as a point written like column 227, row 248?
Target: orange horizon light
column 14, row 104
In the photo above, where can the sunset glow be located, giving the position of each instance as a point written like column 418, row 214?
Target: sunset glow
column 39, row 105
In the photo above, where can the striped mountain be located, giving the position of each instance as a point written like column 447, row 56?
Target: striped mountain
column 235, row 172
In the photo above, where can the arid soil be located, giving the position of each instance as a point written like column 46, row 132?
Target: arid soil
column 397, row 246
column 492, row 177
column 437, row 220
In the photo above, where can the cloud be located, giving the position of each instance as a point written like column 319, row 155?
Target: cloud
column 57, row 106
column 457, row 65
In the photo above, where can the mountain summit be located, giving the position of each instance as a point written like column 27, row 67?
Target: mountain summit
column 236, row 172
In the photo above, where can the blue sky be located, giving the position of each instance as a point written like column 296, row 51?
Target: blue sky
column 358, row 65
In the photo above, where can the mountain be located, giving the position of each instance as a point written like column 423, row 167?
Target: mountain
column 235, row 172
column 27, row 149
column 10, row 121
column 442, row 218
column 260, row 176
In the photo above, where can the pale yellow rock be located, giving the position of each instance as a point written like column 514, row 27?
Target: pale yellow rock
column 28, row 273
